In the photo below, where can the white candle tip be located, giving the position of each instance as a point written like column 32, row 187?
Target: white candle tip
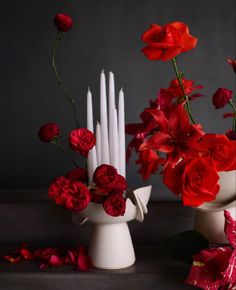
column 121, row 90
column 88, row 89
column 102, row 71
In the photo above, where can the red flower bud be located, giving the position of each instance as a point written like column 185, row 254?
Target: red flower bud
column 48, row 132
column 221, row 97
column 63, row 22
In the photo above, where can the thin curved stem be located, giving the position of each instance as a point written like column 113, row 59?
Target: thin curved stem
column 179, row 78
column 58, row 78
column 61, row 148
column 234, row 119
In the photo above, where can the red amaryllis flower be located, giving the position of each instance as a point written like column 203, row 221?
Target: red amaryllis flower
column 173, row 95
column 149, row 161
column 115, row 205
column 105, row 176
column 63, row 22
column 221, row 97
column 82, row 140
column 48, row 132
column 168, row 41
column 177, row 137
column 200, row 181
column 221, row 149
column 79, row 174
column 215, row 268
column 232, row 62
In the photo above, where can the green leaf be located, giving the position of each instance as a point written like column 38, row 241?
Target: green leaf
column 185, row 245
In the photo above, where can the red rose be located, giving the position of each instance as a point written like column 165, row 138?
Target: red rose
column 200, row 181
column 48, row 132
column 82, row 140
column 79, row 174
column 222, row 150
column 115, row 205
column 63, row 22
column 105, row 176
column 79, row 198
column 221, row 97
column 166, row 42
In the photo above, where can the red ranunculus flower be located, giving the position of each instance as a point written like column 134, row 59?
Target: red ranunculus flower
column 168, row 41
column 221, row 97
column 63, row 22
column 79, row 198
column 200, row 181
column 48, row 132
column 221, row 149
column 105, row 176
column 79, row 174
column 82, row 140
column 73, row 195
column 119, row 185
column 115, row 205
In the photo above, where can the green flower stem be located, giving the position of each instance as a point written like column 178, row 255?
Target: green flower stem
column 178, row 75
column 234, row 119
column 61, row 148
column 59, row 81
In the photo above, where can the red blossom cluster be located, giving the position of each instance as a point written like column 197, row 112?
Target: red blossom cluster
column 72, row 192
column 53, row 257
column 109, row 189
column 215, row 268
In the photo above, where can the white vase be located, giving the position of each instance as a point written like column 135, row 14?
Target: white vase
column 110, row 244
column 209, row 218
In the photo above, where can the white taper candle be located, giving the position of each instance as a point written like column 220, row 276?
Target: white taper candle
column 98, row 143
column 92, row 158
column 114, row 156
column 111, row 107
column 121, row 130
column 103, row 118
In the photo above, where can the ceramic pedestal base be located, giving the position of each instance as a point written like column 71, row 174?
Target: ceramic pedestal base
column 111, row 246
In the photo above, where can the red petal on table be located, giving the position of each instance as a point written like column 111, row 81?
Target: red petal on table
column 43, row 266
column 55, row 261
column 71, row 257
column 230, row 228
column 26, row 254
column 12, row 259
column 84, row 262
column 82, row 250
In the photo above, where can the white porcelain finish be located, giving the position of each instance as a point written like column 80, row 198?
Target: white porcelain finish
column 111, row 245
column 209, row 218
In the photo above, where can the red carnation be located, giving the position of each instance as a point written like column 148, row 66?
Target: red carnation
column 82, row 140
column 115, row 205
column 79, row 174
column 48, row 132
column 221, row 97
column 168, row 41
column 105, row 176
column 63, row 22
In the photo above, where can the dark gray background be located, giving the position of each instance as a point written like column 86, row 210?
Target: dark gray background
column 106, row 35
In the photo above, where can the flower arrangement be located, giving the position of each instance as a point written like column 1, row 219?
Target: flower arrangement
column 72, row 190
column 168, row 136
